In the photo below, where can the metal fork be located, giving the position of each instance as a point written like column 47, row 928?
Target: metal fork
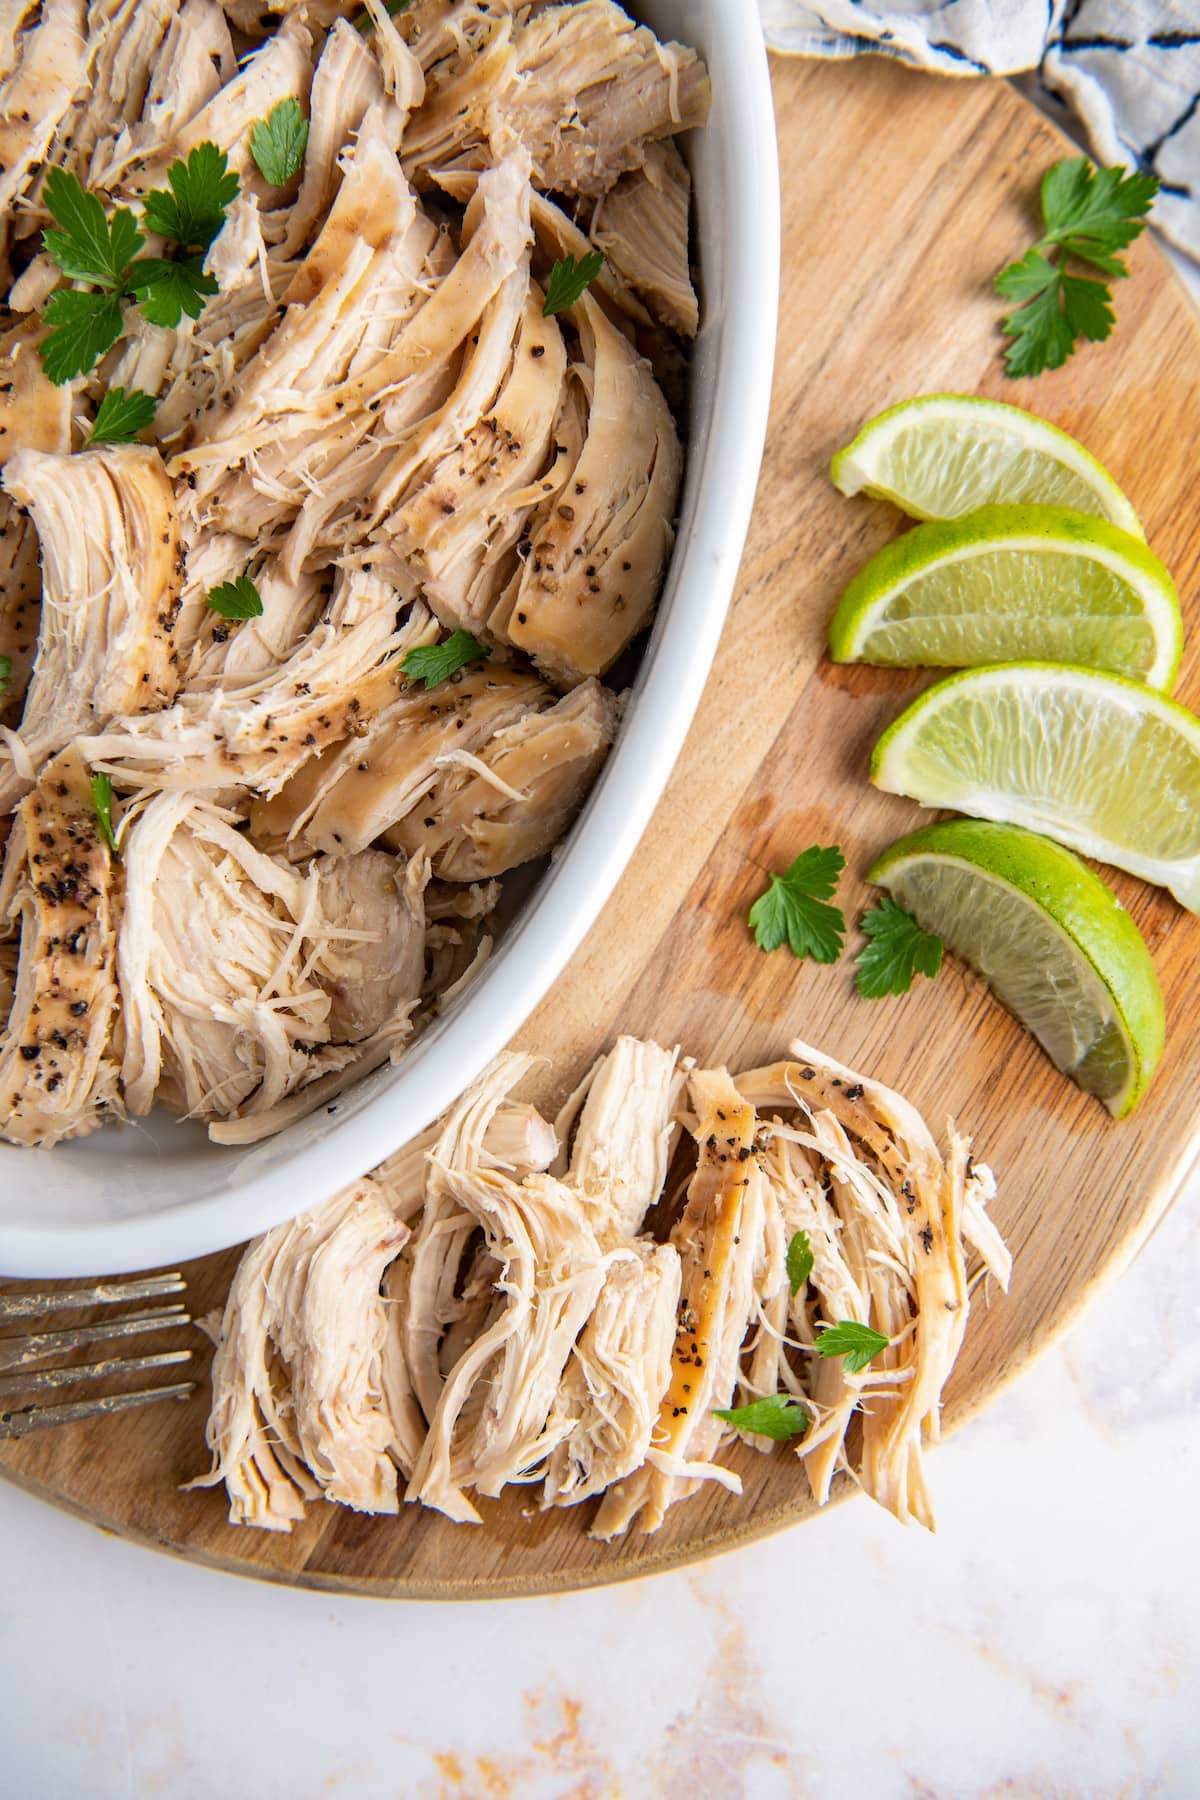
column 16, row 1353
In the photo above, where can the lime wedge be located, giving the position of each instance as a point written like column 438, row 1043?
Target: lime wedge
column 942, row 455
column 1014, row 584
column 1052, row 942
column 1098, row 762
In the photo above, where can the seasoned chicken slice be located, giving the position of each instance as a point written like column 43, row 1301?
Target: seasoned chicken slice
column 889, row 1218
column 580, row 85
column 599, row 544
column 48, row 66
column 512, row 799
column 641, row 225
column 61, row 890
column 189, row 57
column 234, row 967
column 110, row 581
column 719, row 1241
column 298, row 1407
column 279, row 69
column 34, row 415
column 347, row 798
column 265, row 714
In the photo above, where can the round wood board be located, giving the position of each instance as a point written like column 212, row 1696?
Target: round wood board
column 902, row 195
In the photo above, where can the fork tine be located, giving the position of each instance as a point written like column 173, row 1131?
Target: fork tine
column 102, row 1293
column 15, row 1352
column 27, row 1381
column 34, row 1418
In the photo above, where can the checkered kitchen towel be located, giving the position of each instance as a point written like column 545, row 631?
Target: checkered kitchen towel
column 1130, row 69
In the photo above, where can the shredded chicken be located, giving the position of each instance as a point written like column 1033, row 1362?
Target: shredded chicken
column 371, row 435
column 538, row 1332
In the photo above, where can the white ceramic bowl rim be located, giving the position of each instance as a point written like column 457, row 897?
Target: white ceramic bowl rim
column 261, row 1187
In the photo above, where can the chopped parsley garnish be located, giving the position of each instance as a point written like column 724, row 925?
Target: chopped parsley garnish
column 102, row 800
column 277, row 143
column 5, row 673
column 238, row 599
column 1089, row 213
column 859, row 1344
column 799, row 1261
column 121, row 415
column 779, row 1416
column 87, row 246
column 568, row 280
column 435, row 663
column 898, row 950
column 795, row 910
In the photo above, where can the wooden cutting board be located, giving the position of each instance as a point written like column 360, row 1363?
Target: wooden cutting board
column 901, row 197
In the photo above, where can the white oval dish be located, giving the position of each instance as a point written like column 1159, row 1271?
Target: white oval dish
column 156, row 1191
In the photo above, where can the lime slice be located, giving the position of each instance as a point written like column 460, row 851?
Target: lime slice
column 942, row 455
column 1009, row 584
column 1052, row 942
column 1098, row 762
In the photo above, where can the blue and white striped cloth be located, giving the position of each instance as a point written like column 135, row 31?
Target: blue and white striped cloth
column 1129, row 69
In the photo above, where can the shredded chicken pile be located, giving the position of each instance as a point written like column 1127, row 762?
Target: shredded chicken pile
column 571, row 1306
column 374, row 421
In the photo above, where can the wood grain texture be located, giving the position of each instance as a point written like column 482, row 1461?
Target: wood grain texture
column 902, row 196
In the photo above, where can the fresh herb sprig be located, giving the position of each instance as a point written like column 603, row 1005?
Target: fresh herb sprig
column 799, row 1261
column 278, row 142
column 121, row 414
column 102, row 803
column 238, row 599
column 898, row 950
column 1089, row 214
column 568, row 281
column 859, row 1344
column 778, row 1416
column 435, row 663
column 795, row 910
column 88, row 246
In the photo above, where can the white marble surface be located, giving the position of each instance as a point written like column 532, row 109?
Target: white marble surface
column 1045, row 1643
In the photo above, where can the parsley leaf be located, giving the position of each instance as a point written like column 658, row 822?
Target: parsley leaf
column 193, row 212
column 859, row 1344
column 898, row 949
column 568, row 279
column 794, row 909
column 167, row 289
column 121, row 415
column 392, row 7
column 799, row 1261
column 778, row 1416
column 102, row 799
column 277, row 142
column 435, row 663
column 88, row 246
column 238, row 599
column 83, row 326
column 5, row 673
column 1089, row 213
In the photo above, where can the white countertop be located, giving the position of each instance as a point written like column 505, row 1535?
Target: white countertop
column 1046, row 1642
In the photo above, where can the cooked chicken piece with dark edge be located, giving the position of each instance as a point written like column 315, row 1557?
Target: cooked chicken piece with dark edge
column 536, row 1331
column 641, row 225
column 109, row 542
column 34, row 415
column 60, row 891
column 369, row 436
